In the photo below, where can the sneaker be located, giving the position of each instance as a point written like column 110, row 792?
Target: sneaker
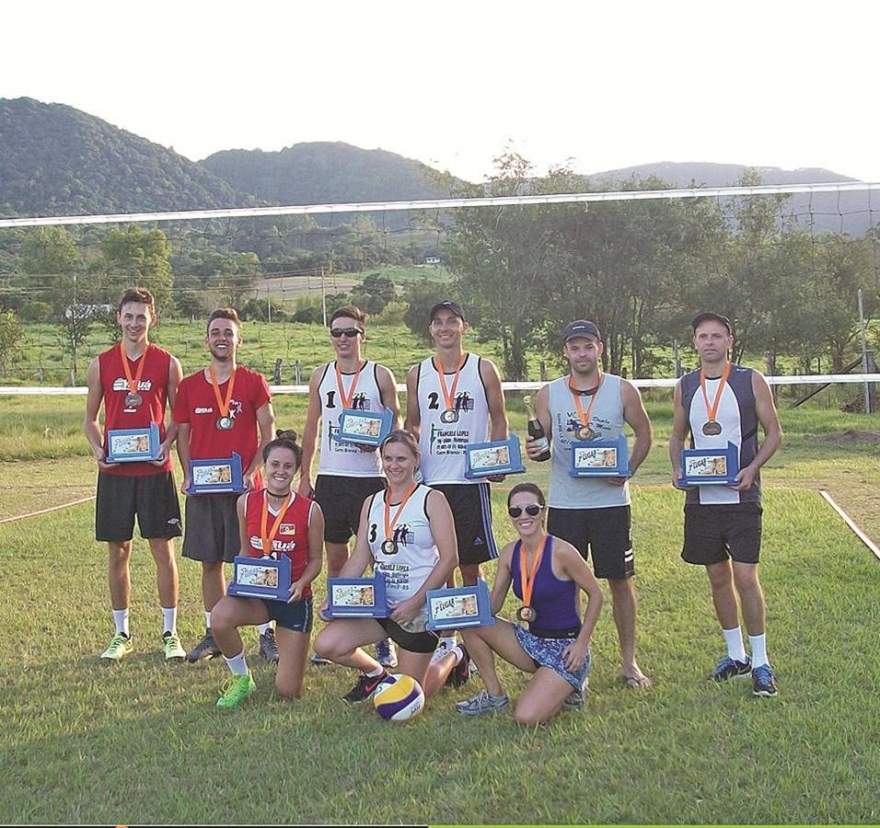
column 206, row 648
column 119, row 646
column 763, row 681
column 459, row 674
column 320, row 661
column 386, row 654
column 268, row 646
column 482, row 703
column 235, row 691
column 446, row 643
column 365, row 687
column 173, row 650
column 729, row 668
column 574, row 700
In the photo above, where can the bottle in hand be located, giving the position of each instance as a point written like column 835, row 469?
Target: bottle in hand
column 536, row 431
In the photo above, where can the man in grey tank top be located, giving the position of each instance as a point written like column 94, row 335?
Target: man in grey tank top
column 717, row 404
column 593, row 514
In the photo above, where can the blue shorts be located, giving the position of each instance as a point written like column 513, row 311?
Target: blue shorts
column 296, row 616
column 548, row 652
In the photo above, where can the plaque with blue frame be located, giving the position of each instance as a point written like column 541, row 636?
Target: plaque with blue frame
column 222, row 475
column 133, row 445
column 495, row 457
column 710, row 467
column 261, row 578
column 468, row 606
column 366, row 428
column 600, row 458
column 357, row 597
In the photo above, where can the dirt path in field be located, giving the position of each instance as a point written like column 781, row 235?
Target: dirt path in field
column 30, row 486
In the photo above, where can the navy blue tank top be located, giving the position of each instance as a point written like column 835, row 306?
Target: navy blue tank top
column 554, row 601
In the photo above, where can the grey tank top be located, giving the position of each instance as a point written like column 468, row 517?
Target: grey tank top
column 606, row 420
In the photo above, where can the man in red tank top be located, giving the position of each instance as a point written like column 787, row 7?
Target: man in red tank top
column 133, row 381
column 217, row 412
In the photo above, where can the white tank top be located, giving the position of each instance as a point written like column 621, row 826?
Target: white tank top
column 346, row 459
column 442, row 444
column 409, row 567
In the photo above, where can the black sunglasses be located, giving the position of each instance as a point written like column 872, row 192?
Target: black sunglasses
column 351, row 333
column 532, row 509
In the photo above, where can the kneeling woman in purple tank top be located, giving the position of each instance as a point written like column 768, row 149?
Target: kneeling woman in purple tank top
column 547, row 575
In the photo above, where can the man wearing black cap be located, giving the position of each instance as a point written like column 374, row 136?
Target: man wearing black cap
column 718, row 404
column 593, row 513
column 452, row 397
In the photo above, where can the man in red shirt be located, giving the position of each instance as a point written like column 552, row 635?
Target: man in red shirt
column 217, row 412
column 133, row 381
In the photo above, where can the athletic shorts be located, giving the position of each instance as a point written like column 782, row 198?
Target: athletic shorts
column 550, row 653
column 603, row 534
column 296, row 616
column 415, row 642
column 341, row 500
column 472, row 513
column 153, row 498
column 211, row 528
column 716, row 532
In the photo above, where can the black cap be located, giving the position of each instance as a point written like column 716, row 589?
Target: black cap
column 447, row 304
column 580, row 327
column 717, row 317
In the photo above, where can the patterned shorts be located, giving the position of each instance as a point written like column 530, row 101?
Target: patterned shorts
column 548, row 652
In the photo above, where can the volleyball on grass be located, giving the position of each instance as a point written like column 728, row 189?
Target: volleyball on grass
column 399, row 697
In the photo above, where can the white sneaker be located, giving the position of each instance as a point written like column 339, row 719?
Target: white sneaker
column 447, row 643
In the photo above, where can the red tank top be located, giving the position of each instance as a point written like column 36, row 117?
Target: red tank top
column 153, row 388
column 293, row 533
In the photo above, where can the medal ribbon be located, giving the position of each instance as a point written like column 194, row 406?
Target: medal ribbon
column 134, row 381
column 222, row 404
column 448, row 395
column 390, row 522
column 347, row 400
column 584, row 416
column 268, row 537
column 712, row 410
column 527, row 579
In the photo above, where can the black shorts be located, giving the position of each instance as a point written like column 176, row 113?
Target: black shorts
column 152, row 498
column 211, row 528
column 296, row 616
column 471, row 506
column 602, row 533
column 716, row 532
column 419, row 642
column 341, row 500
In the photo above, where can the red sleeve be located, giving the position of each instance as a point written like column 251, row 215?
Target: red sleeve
column 181, row 411
column 262, row 395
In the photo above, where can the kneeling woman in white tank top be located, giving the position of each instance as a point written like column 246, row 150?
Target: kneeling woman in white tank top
column 407, row 534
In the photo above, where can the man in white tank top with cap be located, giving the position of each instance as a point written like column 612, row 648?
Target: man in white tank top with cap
column 347, row 474
column 593, row 513
column 454, row 398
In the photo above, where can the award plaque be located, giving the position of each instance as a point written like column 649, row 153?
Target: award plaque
column 220, row 476
column 366, row 428
column 133, row 445
column 600, row 458
column 261, row 578
column 710, row 467
column 469, row 606
column 357, row 597
column 497, row 457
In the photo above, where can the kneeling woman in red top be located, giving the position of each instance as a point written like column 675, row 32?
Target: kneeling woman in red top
column 274, row 521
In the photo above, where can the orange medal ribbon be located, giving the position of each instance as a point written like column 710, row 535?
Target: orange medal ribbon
column 222, row 404
column 266, row 538
column 527, row 579
column 712, row 410
column 391, row 522
column 449, row 395
column 585, row 432
column 347, row 400
column 133, row 381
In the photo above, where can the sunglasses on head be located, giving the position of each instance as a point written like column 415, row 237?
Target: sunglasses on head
column 532, row 509
column 351, row 333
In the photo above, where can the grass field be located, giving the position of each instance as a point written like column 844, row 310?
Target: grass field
column 143, row 742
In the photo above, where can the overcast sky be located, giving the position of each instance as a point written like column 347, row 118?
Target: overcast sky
column 788, row 84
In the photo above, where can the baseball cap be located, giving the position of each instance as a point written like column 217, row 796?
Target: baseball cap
column 717, row 317
column 580, row 327
column 447, row 304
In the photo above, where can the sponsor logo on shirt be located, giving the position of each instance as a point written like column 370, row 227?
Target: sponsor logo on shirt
column 121, row 384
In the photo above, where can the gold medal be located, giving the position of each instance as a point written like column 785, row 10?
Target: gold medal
column 526, row 614
column 132, row 398
column 224, row 423
column 389, row 545
column 451, row 414
column 585, row 432
column 712, row 428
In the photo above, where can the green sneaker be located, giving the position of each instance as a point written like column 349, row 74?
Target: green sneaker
column 119, row 646
column 173, row 650
column 235, row 691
